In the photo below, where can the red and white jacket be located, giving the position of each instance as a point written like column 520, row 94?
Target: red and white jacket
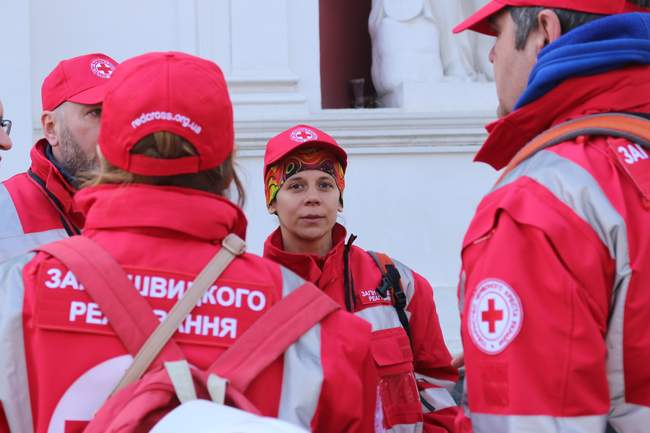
column 61, row 359
column 556, row 270
column 36, row 207
column 406, row 375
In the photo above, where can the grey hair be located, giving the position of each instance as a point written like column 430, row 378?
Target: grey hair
column 525, row 19
column 642, row 3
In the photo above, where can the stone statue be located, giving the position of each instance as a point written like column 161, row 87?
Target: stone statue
column 405, row 46
column 413, row 49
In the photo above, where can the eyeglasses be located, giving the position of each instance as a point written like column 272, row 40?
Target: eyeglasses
column 6, row 125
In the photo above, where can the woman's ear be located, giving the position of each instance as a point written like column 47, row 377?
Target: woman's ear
column 271, row 208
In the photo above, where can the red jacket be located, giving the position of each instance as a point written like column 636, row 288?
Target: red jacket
column 556, row 267
column 163, row 237
column 397, row 364
column 36, row 207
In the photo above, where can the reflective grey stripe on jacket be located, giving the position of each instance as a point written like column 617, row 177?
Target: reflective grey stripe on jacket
column 13, row 240
column 14, row 388
column 447, row 384
column 576, row 187
column 383, row 317
column 406, row 428
column 302, row 378
column 484, row 423
column 439, row 398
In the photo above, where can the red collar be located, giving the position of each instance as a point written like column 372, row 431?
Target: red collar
column 53, row 184
column 620, row 90
column 176, row 210
column 308, row 266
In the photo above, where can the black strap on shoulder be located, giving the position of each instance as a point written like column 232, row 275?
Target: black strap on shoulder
column 391, row 283
column 69, row 227
column 390, row 279
column 348, row 281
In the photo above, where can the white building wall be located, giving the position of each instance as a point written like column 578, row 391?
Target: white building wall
column 411, row 186
column 15, row 84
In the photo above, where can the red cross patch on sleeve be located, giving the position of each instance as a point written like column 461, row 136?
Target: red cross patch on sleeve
column 495, row 316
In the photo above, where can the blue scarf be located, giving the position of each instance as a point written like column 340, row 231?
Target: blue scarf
column 608, row 43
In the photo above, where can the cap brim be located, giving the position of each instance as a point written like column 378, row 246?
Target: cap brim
column 631, row 7
column 94, row 95
column 479, row 21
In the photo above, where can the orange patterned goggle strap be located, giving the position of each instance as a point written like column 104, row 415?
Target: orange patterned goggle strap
column 301, row 160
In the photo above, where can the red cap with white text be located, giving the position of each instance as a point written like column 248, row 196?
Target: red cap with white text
column 173, row 92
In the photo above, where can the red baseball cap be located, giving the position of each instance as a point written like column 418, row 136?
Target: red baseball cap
column 298, row 136
column 174, row 92
column 479, row 21
column 631, row 7
column 80, row 79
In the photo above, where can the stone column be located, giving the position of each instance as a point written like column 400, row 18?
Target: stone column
column 254, row 42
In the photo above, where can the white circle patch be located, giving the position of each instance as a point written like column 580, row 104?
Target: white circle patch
column 495, row 316
column 86, row 395
column 303, row 134
column 102, row 68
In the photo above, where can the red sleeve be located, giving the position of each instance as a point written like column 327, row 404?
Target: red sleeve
column 533, row 322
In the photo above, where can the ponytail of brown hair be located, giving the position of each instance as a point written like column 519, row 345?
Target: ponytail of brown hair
column 165, row 145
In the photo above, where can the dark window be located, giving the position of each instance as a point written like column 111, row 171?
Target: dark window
column 345, row 52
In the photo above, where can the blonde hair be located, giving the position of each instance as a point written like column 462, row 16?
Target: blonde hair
column 165, row 145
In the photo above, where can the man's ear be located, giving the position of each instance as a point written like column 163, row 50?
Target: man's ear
column 549, row 26
column 49, row 123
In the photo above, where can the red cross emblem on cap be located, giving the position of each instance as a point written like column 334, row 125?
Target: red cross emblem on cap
column 301, row 135
column 102, row 68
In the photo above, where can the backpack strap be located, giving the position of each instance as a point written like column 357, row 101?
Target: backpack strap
column 231, row 247
column 348, row 281
column 270, row 336
column 264, row 342
column 632, row 127
column 128, row 313
column 390, row 279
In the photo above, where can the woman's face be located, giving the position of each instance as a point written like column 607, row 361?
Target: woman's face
column 306, row 206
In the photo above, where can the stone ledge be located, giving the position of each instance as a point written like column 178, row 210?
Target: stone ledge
column 382, row 130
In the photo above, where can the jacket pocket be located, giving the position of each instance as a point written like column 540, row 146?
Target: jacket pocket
column 398, row 391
